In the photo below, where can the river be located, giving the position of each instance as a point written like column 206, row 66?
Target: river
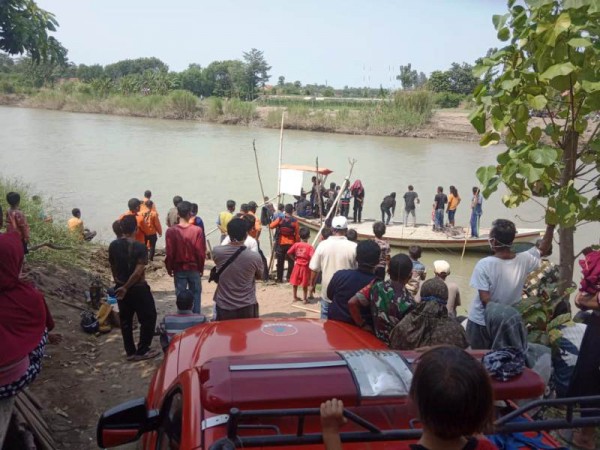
column 97, row 162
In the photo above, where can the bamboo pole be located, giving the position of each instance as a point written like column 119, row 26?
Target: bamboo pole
column 318, row 193
column 464, row 246
column 278, row 180
column 262, row 189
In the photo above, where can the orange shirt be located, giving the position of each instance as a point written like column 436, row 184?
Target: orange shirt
column 76, row 226
column 144, row 208
column 151, row 223
column 140, row 234
column 284, row 238
column 453, row 202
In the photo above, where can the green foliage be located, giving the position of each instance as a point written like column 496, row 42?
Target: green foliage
column 134, row 66
column 417, row 102
column 329, row 92
column 89, row 73
column 24, row 28
column 447, row 99
column 459, row 79
column 184, row 104
column 256, row 72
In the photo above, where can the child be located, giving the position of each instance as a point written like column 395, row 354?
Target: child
column 301, row 252
column 16, row 221
column 352, row 235
column 379, row 230
column 451, row 411
column 173, row 324
column 419, row 273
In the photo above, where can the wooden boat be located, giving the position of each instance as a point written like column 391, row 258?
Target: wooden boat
column 450, row 239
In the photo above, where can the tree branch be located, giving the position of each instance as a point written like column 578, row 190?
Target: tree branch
column 587, row 144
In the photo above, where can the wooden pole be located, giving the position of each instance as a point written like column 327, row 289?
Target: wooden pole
column 278, row 179
column 318, row 193
column 464, row 246
column 262, row 190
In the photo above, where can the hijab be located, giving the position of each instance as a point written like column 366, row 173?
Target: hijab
column 357, row 187
column 23, row 312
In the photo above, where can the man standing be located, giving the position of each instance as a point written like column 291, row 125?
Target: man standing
column 152, row 227
column 439, row 204
column 499, row 278
column 235, row 296
column 147, row 197
column 255, row 231
column 409, row 205
column 172, row 218
column 288, row 233
column 335, row 253
column 476, row 211
column 186, row 252
column 128, row 259
column 134, row 210
column 225, row 217
column 441, row 269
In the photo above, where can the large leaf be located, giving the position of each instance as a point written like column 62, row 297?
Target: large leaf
column 477, row 119
column 499, row 20
column 576, row 4
column 538, row 102
column 489, row 138
column 485, row 174
column 509, row 85
column 590, row 86
column 532, row 174
column 543, row 156
column 579, row 42
column 563, row 319
column 557, row 70
column 504, row 34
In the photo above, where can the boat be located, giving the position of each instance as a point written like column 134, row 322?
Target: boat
column 451, row 238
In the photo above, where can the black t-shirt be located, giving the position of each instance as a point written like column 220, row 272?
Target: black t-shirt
column 440, row 200
column 124, row 255
column 409, row 200
column 388, row 202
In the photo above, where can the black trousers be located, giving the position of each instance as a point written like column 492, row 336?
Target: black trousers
column 137, row 301
column 247, row 312
column 357, row 207
column 151, row 238
column 386, row 212
column 281, row 253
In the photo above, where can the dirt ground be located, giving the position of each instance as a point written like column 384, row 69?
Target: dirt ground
column 87, row 374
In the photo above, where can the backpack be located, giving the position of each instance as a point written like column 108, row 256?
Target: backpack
column 286, row 226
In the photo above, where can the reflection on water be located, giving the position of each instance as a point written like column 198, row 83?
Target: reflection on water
column 96, row 163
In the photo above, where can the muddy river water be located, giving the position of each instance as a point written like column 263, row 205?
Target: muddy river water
column 97, row 162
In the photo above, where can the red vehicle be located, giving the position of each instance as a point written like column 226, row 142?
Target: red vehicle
column 259, row 383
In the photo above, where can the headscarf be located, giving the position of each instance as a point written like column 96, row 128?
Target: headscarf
column 23, row 311
column 358, row 186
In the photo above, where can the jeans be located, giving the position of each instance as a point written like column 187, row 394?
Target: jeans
column 451, row 214
column 324, row 309
column 137, row 301
column 475, row 224
column 281, row 253
column 189, row 279
column 151, row 239
column 406, row 213
column 345, row 210
column 439, row 219
column 386, row 212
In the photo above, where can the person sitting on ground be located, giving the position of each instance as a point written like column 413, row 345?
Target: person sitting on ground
column 172, row 217
column 428, row 323
column 301, row 252
column 500, row 277
column 346, row 283
column 419, row 273
column 235, row 296
column 441, row 269
column 453, row 396
column 387, row 301
column 147, row 197
column 384, row 259
column 225, row 217
column 134, row 206
column 128, row 259
column 152, row 227
column 16, row 222
column 352, row 235
column 388, row 207
column 185, row 318
column 76, row 227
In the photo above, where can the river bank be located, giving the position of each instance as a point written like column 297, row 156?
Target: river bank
column 371, row 120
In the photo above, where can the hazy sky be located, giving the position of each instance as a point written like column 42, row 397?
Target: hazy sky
column 341, row 42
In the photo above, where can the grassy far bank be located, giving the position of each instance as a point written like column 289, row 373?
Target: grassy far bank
column 56, row 233
column 404, row 113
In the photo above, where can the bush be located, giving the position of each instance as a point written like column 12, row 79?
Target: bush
column 419, row 102
column 6, row 87
column 238, row 110
column 184, row 104
column 215, row 108
column 448, row 99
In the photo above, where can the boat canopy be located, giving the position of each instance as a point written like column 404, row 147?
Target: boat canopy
column 311, row 169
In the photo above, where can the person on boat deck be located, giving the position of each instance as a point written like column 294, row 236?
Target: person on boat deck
column 224, row 218
column 388, row 208
column 331, row 194
column 172, row 217
column 409, row 205
column 439, row 203
column 476, row 211
column 345, row 200
column 387, row 301
column 428, row 323
column 346, row 283
column 358, row 194
column 451, row 412
column 453, row 202
column 152, row 227
column 419, row 273
column 75, row 225
column 335, row 253
column 500, row 277
column 16, row 222
column 288, row 233
column 441, row 268
column 303, row 208
column 379, row 231
column 134, row 210
column 147, row 196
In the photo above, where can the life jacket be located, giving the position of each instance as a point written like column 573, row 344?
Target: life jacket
column 286, row 226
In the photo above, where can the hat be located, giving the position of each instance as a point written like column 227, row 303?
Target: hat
column 441, row 266
column 339, row 223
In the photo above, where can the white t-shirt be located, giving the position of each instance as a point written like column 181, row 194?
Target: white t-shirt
column 503, row 279
column 250, row 243
column 333, row 254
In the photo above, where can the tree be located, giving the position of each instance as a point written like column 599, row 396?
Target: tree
column 458, row 78
column 256, row 71
column 552, row 64
column 408, row 77
column 134, row 66
column 24, row 28
column 422, row 80
column 439, row 81
column 88, row 73
column 281, row 81
column 194, row 80
column 225, row 78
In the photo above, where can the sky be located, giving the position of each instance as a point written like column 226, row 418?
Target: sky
column 333, row 42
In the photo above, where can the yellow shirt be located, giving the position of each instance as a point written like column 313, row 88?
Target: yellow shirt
column 224, row 218
column 76, row 226
column 453, row 202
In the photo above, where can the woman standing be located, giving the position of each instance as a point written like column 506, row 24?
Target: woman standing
column 453, row 202
column 358, row 193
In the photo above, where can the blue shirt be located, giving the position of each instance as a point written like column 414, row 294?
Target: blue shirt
column 343, row 286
